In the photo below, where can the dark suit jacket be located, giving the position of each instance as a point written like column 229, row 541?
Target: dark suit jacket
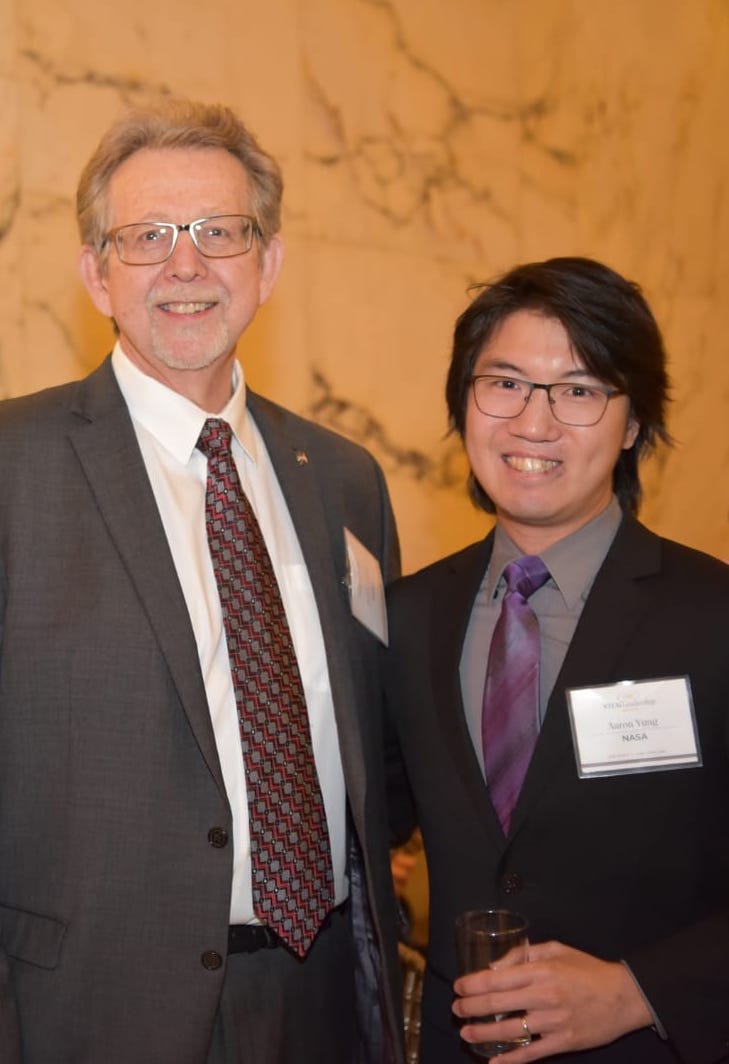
column 111, row 889
column 633, row 866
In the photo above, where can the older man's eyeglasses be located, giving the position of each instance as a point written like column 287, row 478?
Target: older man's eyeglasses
column 148, row 243
column 571, row 402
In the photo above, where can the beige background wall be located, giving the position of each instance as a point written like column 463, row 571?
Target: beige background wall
column 426, row 144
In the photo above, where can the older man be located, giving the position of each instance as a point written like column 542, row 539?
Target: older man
column 193, row 859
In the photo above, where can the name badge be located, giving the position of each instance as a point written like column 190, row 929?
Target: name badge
column 365, row 586
column 634, row 726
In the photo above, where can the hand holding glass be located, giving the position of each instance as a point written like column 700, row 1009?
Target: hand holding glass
column 482, row 937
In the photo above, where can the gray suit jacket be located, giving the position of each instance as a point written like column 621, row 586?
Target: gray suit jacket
column 110, row 890
column 633, row 866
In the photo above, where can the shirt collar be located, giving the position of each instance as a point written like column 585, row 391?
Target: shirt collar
column 173, row 420
column 573, row 562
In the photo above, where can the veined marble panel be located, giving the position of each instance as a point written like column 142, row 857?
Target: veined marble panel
column 10, row 185
column 426, row 146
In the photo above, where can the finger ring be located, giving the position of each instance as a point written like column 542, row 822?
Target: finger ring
column 525, row 1025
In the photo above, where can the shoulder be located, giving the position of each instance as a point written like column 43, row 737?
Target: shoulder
column 319, row 470
column 468, row 563
column 695, row 583
column 695, row 562
column 675, row 580
column 668, row 559
column 275, row 420
column 96, row 393
column 34, row 427
column 36, row 406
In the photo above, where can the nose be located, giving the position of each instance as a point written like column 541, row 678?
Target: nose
column 186, row 262
column 536, row 421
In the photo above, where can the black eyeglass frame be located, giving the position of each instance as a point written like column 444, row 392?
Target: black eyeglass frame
column 113, row 237
column 608, row 393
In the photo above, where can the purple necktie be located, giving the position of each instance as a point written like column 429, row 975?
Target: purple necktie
column 509, row 724
column 290, row 853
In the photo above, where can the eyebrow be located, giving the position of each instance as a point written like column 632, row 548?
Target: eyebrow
column 511, row 369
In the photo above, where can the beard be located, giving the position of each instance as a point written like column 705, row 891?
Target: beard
column 190, row 345
column 191, row 348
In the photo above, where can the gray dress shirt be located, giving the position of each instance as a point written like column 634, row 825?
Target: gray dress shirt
column 573, row 564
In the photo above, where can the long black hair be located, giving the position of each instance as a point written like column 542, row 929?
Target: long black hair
column 611, row 329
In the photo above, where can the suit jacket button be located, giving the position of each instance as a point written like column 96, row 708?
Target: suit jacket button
column 218, row 837
column 511, row 883
column 211, row 960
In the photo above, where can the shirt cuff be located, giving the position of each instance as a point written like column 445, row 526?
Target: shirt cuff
column 657, row 1025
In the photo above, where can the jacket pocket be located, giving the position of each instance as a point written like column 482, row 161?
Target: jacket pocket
column 31, row 937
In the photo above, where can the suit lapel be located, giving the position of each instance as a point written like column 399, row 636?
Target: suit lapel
column 449, row 622
column 106, row 446
column 614, row 607
column 321, row 538
column 300, row 481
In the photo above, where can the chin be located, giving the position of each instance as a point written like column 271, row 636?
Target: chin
column 193, row 359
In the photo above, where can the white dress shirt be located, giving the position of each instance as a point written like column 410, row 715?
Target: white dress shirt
column 167, row 426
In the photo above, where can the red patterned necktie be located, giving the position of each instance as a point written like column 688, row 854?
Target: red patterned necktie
column 293, row 886
column 509, row 725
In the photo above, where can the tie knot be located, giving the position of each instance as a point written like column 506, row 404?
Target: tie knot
column 526, row 575
column 215, row 437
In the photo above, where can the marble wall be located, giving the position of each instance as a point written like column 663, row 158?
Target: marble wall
column 426, row 145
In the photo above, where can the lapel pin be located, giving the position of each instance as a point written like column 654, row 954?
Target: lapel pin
column 302, row 458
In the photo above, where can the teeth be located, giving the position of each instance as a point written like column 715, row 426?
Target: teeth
column 185, row 308
column 531, row 465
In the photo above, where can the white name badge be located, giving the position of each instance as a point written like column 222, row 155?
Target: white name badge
column 365, row 586
column 634, row 726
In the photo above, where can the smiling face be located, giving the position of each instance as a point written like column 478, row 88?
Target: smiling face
column 546, row 479
column 180, row 320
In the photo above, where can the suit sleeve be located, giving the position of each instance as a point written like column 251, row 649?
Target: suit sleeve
column 402, row 818
column 686, row 980
column 9, row 1026
column 685, row 974
column 390, row 541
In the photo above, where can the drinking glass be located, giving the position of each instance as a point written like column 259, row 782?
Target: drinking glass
column 482, row 937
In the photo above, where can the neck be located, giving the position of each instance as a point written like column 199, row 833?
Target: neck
column 207, row 386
